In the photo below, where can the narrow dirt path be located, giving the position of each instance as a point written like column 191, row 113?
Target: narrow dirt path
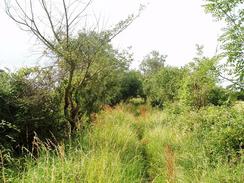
column 140, row 129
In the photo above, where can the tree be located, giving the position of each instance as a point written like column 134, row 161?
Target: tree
column 103, row 74
column 199, row 81
column 75, row 55
column 232, row 12
column 163, row 86
column 131, row 85
column 152, row 63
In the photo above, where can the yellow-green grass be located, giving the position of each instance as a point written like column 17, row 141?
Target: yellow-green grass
column 128, row 144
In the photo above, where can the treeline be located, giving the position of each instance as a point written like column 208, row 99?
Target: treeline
column 197, row 84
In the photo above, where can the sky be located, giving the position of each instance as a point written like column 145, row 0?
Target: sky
column 172, row 27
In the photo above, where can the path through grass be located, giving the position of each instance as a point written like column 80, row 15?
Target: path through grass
column 130, row 144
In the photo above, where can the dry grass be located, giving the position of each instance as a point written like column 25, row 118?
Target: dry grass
column 170, row 163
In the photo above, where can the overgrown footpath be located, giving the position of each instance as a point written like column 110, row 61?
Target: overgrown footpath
column 129, row 144
column 109, row 151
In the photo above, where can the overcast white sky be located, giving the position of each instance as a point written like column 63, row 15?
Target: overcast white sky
column 172, row 27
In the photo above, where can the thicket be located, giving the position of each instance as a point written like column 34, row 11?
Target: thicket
column 32, row 103
column 195, row 146
column 195, row 85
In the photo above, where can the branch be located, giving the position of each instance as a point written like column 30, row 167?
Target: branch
column 66, row 22
column 241, row 85
column 80, row 13
column 43, row 3
column 231, row 19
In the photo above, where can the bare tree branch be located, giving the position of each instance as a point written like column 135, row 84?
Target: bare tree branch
column 80, row 13
column 50, row 21
column 66, row 22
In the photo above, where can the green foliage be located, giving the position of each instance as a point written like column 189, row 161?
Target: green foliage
column 240, row 95
column 162, row 86
column 131, row 85
column 39, row 107
column 233, row 37
column 218, row 130
column 9, row 136
column 28, row 106
column 219, row 96
column 194, row 146
column 199, row 82
column 90, row 78
column 152, row 63
column 33, row 99
column 107, row 75
column 80, row 58
column 107, row 152
column 137, row 101
column 159, row 146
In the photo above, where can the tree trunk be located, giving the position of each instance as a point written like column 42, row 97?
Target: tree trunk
column 70, row 112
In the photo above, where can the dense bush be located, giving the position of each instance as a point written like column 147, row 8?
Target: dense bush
column 108, row 152
column 131, row 85
column 160, row 146
column 193, row 146
column 240, row 95
column 222, row 133
column 27, row 108
column 162, row 86
column 219, row 96
column 199, row 82
column 217, row 131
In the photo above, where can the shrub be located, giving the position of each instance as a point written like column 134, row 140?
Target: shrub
column 163, row 86
column 199, row 82
column 219, row 96
column 30, row 107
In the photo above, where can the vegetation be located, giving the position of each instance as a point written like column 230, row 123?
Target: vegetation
column 176, row 145
column 87, row 117
column 232, row 39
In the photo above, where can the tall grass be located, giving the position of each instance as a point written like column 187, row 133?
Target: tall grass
column 130, row 144
column 195, row 146
column 108, row 152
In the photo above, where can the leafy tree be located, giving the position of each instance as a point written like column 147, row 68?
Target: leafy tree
column 106, row 74
column 232, row 12
column 152, row 63
column 94, row 64
column 77, row 56
column 163, row 85
column 131, row 85
column 199, row 81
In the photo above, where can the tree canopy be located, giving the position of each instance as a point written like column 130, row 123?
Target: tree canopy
column 152, row 62
column 232, row 13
